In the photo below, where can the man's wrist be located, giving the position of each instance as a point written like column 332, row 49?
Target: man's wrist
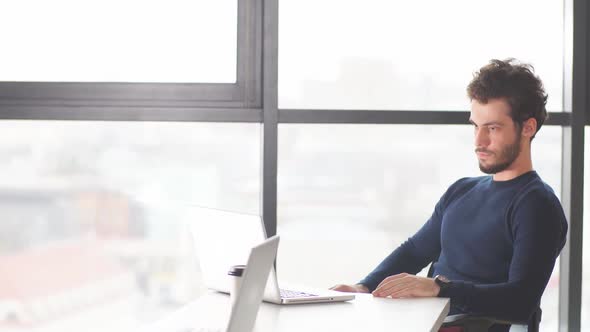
column 436, row 289
column 443, row 284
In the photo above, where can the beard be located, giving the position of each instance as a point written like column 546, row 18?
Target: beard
column 505, row 157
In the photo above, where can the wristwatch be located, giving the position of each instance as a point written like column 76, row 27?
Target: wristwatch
column 444, row 283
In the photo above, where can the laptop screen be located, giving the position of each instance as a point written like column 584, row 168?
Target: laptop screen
column 222, row 239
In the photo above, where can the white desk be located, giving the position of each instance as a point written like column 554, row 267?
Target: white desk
column 365, row 313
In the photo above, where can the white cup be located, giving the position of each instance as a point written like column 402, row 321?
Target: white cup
column 235, row 273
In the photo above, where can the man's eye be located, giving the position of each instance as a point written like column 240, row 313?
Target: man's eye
column 493, row 128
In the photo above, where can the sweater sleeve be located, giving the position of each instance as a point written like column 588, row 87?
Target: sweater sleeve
column 413, row 255
column 538, row 227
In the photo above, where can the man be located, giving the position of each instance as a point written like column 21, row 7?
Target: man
column 496, row 237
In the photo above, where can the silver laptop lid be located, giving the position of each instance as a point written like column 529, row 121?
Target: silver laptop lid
column 249, row 297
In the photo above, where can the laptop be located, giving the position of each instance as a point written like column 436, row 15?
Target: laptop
column 245, row 308
column 220, row 238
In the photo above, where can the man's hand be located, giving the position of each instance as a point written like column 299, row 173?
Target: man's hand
column 358, row 288
column 407, row 285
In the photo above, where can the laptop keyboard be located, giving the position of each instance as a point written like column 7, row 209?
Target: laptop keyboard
column 286, row 294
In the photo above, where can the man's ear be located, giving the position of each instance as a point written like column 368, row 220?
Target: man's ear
column 529, row 127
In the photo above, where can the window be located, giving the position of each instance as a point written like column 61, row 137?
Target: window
column 120, row 59
column 585, row 314
column 175, row 41
column 410, row 55
column 93, row 234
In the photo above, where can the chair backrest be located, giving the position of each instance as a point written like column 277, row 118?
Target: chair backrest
column 535, row 321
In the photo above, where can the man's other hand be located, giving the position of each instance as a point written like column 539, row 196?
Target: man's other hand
column 407, row 285
column 358, row 288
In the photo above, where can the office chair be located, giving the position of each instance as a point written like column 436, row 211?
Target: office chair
column 473, row 323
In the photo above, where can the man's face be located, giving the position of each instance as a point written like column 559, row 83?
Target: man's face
column 497, row 138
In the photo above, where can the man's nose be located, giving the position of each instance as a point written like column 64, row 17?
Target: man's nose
column 481, row 138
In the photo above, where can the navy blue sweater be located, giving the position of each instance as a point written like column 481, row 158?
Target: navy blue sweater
column 497, row 241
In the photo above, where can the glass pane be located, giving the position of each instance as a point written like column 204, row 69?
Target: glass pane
column 119, row 40
column 410, row 55
column 349, row 194
column 92, row 235
column 586, row 237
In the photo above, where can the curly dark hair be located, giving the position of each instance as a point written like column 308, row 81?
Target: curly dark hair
column 517, row 84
